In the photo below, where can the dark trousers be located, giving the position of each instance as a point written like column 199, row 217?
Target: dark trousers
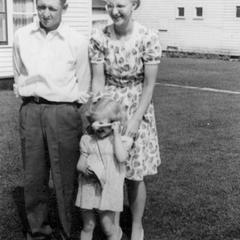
column 50, row 136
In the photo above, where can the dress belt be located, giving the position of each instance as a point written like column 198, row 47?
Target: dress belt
column 124, row 81
column 40, row 100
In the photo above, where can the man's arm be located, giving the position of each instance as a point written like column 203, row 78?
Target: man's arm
column 17, row 62
column 83, row 71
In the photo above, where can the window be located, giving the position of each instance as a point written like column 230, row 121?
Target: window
column 238, row 11
column 100, row 18
column 3, row 22
column 181, row 12
column 23, row 12
column 98, row 4
column 199, row 11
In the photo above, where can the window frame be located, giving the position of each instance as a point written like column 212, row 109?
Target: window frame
column 196, row 17
column 178, row 11
column 96, row 5
column 5, row 42
column 33, row 13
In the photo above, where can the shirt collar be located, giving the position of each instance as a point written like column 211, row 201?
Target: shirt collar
column 61, row 30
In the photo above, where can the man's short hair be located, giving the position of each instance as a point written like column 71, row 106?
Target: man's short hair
column 63, row 2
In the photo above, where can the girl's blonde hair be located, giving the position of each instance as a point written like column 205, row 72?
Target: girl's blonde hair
column 106, row 108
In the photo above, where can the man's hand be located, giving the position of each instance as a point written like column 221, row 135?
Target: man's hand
column 83, row 97
column 88, row 172
column 99, row 95
column 15, row 90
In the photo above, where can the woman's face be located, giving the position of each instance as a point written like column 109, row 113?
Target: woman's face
column 120, row 11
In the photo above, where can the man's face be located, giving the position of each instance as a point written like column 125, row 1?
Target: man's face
column 50, row 13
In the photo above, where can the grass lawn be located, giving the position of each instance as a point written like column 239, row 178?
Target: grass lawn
column 196, row 194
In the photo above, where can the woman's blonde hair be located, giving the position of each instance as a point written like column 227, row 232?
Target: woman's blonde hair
column 138, row 2
column 106, row 108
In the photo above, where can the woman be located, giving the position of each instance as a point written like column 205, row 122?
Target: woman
column 125, row 58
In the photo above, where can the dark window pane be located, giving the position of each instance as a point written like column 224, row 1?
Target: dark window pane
column 2, row 5
column 98, row 4
column 238, row 11
column 23, row 6
column 3, row 30
column 3, row 22
column 199, row 11
column 181, row 12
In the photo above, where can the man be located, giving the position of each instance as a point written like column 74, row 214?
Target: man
column 52, row 77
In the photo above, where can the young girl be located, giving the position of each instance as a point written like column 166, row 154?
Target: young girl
column 102, row 168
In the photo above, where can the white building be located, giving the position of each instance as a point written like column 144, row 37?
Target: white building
column 206, row 26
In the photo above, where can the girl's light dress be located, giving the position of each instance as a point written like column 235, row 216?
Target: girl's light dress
column 124, row 62
column 91, row 194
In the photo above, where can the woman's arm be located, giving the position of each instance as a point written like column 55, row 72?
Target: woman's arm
column 151, row 71
column 120, row 150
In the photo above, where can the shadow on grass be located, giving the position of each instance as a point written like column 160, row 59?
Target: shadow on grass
column 18, row 196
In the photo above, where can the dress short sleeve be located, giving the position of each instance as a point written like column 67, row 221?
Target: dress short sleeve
column 152, row 48
column 96, row 46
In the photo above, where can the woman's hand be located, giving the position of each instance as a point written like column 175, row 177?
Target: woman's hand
column 132, row 127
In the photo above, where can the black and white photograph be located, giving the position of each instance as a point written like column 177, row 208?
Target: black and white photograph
column 119, row 120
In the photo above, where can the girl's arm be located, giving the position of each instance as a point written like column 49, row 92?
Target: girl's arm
column 82, row 163
column 151, row 71
column 120, row 150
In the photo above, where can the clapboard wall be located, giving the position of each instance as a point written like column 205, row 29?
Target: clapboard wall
column 216, row 32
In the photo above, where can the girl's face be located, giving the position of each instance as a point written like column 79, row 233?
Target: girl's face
column 120, row 11
column 102, row 128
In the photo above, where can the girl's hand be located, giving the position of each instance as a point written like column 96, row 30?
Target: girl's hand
column 116, row 127
column 132, row 127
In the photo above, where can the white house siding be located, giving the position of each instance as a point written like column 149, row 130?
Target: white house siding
column 78, row 16
column 231, row 37
column 200, row 34
column 157, row 14
column 6, row 62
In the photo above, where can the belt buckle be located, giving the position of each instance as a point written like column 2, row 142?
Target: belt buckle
column 37, row 99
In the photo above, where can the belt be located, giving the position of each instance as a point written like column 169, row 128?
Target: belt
column 122, row 82
column 40, row 100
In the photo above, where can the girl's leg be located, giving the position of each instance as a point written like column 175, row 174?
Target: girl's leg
column 89, row 223
column 137, row 201
column 107, row 219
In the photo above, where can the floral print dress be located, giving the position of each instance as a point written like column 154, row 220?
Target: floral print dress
column 124, row 62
